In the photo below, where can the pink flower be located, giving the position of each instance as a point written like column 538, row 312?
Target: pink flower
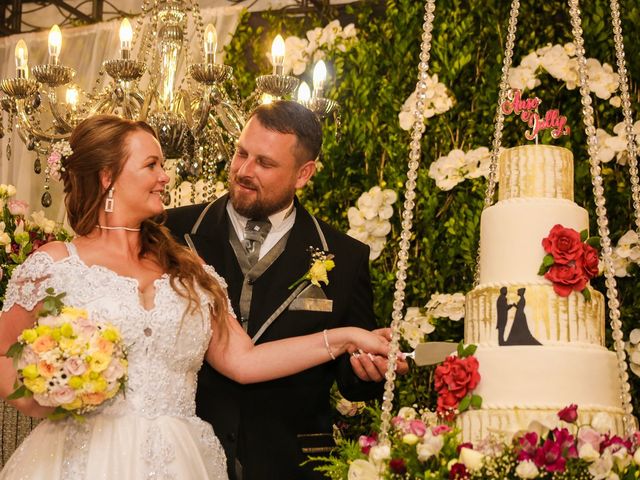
column 114, row 371
column 28, row 357
column 528, row 446
column 75, row 366
column 569, row 414
column 549, row 457
column 440, row 429
column 54, row 164
column 62, row 394
column 366, row 442
column 417, row 427
column 587, row 435
column 84, row 327
column 17, row 207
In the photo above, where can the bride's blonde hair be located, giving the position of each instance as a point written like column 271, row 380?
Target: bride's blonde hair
column 100, row 144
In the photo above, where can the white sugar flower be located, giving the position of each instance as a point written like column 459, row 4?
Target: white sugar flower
column 429, row 447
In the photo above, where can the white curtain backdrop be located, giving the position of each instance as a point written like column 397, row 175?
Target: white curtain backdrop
column 84, row 49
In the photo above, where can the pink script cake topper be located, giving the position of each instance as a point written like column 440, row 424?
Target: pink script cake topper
column 527, row 110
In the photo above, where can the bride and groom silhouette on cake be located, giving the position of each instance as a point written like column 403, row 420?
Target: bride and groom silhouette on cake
column 519, row 334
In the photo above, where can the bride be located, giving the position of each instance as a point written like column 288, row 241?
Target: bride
column 172, row 311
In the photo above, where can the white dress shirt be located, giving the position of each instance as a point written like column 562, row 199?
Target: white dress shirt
column 281, row 223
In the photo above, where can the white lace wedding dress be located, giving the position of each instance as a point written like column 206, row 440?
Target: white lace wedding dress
column 152, row 432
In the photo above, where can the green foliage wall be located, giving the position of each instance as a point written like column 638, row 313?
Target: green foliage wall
column 373, row 79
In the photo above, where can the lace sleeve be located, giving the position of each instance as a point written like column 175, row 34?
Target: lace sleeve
column 211, row 271
column 29, row 281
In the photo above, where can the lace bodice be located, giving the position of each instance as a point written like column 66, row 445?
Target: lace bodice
column 165, row 345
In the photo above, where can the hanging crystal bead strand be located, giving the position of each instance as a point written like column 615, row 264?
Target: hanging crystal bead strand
column 407, row 216
column 499, row 118
column 626, row 110
column 601, row 213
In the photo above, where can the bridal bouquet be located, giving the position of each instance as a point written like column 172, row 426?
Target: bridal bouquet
column 68, row 361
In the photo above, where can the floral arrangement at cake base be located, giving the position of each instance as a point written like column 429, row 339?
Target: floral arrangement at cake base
column 20, row 234
column 422, row 446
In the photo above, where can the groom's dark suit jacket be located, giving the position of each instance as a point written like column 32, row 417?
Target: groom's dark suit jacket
column 271, row 427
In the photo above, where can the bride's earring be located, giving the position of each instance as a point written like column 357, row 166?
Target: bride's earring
column 108, row 204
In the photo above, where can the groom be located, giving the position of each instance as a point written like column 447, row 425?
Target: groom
column 259, row 239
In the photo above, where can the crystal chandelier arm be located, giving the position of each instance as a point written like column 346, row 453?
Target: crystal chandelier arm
column 230, row 117
column 205, row 110
column 55, row 111
column 25, row 124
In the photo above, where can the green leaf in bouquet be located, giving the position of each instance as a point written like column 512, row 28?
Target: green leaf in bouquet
column 586, row 294
column 584, row 234
column 460, row 349
column 464, row 403
column 52, row 304
column 476, row 401
column 15, row 350
column 21, row 392
column 58, row 414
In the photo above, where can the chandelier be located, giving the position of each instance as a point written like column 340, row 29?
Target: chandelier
column 197, row 119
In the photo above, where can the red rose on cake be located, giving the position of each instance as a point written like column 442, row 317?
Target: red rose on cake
column 566, row 279
column 570, row 261
column 564, row 244
column 455, row 379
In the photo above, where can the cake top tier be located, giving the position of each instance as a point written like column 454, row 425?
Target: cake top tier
column 536, row 171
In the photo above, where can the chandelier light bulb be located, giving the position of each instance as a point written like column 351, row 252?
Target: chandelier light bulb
column 319, row 77
column 266, row 99
column 126, row 35
column 22, row 58
column 304, row 93
column 210, row 43
column 72, row 97
column 55, row 43
column 277, row 55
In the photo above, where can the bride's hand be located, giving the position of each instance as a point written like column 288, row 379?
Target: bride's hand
column 375, row 342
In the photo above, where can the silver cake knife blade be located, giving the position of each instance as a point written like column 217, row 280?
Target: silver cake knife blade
column 431, row 353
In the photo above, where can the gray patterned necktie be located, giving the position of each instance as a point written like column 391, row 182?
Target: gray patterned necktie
column 254, row 234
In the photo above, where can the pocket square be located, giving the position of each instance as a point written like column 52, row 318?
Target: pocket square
column 313, row 299
column 312, row 304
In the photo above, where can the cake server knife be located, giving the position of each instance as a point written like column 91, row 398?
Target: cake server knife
column 431, row 353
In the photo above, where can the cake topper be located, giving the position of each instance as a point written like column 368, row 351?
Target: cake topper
column 527, row 110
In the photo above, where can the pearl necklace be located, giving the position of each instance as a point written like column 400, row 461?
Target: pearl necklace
column 128, row 229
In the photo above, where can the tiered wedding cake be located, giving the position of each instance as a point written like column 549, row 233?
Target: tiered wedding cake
column 538, row 351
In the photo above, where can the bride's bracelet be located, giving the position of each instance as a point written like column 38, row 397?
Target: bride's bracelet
column 326, row 344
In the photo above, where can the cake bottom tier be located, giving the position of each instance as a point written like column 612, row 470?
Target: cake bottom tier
column 520, row 384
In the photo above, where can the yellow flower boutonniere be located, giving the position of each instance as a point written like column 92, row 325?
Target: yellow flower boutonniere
column 321, row 263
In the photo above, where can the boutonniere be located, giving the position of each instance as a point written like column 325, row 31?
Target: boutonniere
column 321, row 263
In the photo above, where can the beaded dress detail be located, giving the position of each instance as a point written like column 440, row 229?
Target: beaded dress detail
column 152, row 431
